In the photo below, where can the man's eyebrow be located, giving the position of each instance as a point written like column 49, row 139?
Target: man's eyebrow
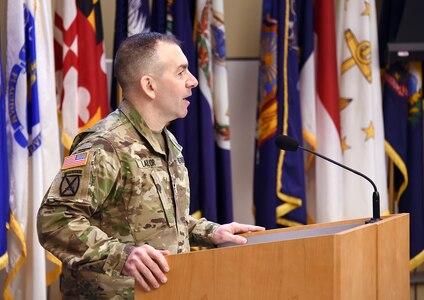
column 183, row 66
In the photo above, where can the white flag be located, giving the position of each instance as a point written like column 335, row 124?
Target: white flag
column 361, row 114
column 33, row 141
column 213, row 80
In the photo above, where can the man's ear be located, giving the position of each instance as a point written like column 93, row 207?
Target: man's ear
column 148, row 85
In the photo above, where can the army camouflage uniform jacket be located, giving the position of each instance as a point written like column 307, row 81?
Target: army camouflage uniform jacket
column 117, row 190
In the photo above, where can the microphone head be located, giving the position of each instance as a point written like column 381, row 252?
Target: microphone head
column 287, row 143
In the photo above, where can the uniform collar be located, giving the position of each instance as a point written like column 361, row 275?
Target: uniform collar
column 143, row 129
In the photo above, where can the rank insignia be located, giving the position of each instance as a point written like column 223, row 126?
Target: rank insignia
column 69, row 184
column 75, row 160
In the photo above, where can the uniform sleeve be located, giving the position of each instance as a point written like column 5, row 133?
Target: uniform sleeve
column 66, row 221
column 201, row 232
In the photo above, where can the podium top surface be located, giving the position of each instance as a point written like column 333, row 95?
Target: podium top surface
column 290, row 235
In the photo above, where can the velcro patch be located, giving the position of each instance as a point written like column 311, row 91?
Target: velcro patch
column 75, row 160
column 149, row 162
column 69, row 184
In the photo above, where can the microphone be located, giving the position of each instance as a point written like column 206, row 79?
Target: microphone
column 287, row 143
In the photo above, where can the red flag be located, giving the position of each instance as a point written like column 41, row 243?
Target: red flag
column 80, row 66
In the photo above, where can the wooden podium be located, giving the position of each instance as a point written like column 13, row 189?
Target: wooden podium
column 339, row 260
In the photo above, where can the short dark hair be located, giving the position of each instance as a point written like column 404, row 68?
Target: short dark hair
column 137, row 55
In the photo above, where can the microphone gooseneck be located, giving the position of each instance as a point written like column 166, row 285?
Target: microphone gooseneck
column 289, row 144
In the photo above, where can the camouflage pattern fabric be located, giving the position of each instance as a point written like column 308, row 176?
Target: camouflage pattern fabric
column 117, row 189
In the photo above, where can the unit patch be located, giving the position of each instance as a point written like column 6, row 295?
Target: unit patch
column 70, row 184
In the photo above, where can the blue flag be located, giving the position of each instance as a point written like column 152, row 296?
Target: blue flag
column 403, row 121
column 403, row 126
column 209, row 196
column 279, row 183
column 131, row 17
column 4, row 174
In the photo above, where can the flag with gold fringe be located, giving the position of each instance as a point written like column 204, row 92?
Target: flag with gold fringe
column 4, row 174
column 403, row 124
column 279, row 183
column 403, row 120
column 32, row 135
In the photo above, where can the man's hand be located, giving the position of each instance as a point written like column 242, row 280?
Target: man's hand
column 147, row 265
column 226, row 233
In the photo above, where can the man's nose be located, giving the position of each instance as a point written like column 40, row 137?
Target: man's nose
column 191, row 81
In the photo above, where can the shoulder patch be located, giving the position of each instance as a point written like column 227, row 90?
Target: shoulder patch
column 75, row 160
column 69, row 184
column 85, row 146
column 180, row 160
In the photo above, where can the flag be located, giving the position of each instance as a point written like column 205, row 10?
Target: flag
column 279, row 184
column 324, row 179
column 307, row 94
column 4, row 174
column 159, row 15
column 403, row 120
column 207, row 161
column 213, row 85
column 131, row 17
column 307, row 80
column 403, row 123
column 32, row 140
column 80, row 66
column 362, row 130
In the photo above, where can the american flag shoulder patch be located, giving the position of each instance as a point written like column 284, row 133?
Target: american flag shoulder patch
column 75, row 160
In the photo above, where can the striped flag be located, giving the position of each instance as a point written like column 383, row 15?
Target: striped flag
column 75, row 160
column 80, row 66
column 279, row 184
column 362, row 130
column 326, row 205
column 4, row 174
column 33, row 141
column 131, row 17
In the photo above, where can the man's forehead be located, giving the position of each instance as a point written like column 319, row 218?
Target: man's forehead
column 172, row 53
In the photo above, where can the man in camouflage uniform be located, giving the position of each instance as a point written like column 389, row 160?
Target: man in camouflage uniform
column 120, row 202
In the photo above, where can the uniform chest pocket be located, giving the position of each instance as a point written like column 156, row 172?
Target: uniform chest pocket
column 163, row 187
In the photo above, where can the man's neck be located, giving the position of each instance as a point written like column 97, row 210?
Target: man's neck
column 149, row 115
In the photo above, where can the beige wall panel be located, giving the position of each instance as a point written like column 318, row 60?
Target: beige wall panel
column 108, row 16
column 243, row 27
column 243, row 91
